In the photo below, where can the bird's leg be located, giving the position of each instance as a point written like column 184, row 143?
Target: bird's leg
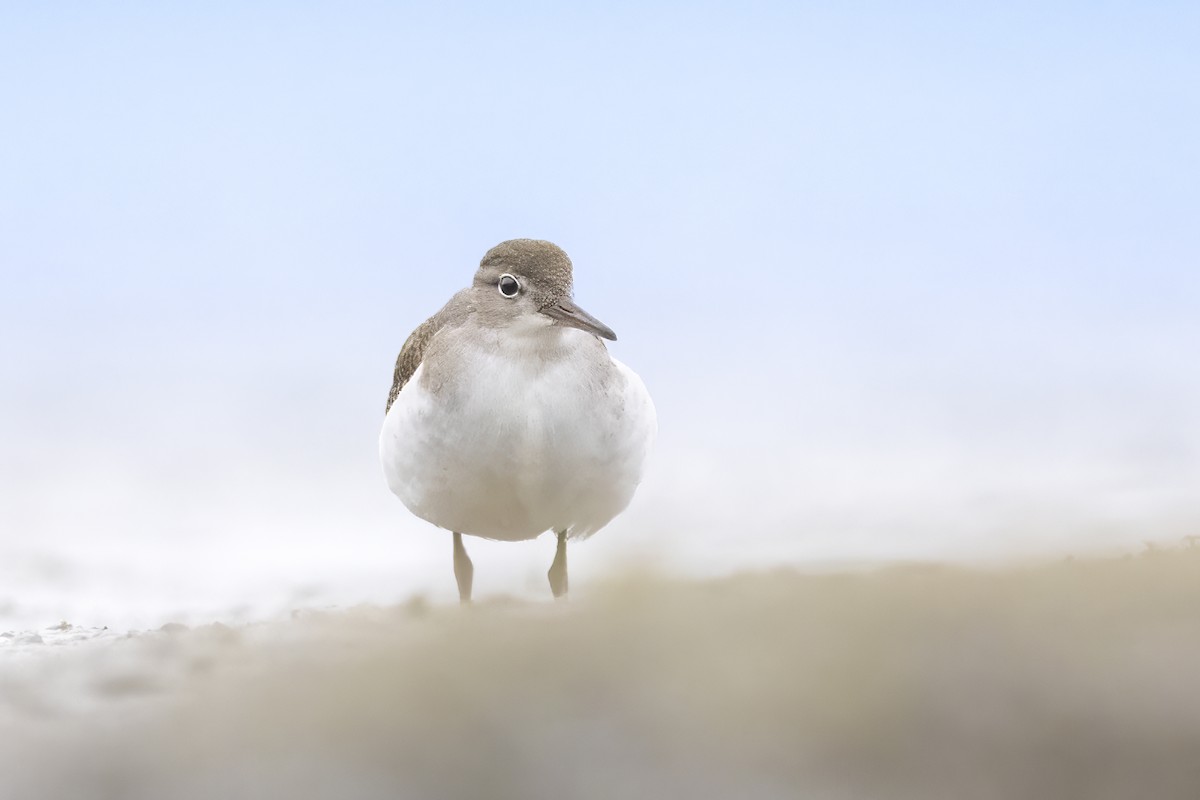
column 558, row 570
column 464, row 571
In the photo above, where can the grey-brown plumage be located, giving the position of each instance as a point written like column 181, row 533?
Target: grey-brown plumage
column 548, row 274
column 543, row 263
column 413, row 351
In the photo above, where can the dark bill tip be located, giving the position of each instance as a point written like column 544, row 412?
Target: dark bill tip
column 565, row 312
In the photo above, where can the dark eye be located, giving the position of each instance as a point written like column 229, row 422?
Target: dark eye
column 509, row 286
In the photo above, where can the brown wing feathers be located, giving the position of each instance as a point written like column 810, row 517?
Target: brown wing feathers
column 411, row 355
column 413, row 352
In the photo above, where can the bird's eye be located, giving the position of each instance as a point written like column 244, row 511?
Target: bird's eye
column 509, row 286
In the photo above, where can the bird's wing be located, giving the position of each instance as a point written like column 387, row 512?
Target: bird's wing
column 413, row 351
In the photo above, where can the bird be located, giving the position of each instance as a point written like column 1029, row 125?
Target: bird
column 508, row 417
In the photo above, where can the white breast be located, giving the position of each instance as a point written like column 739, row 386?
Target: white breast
column 522, row 445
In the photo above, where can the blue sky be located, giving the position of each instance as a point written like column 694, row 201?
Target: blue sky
column 930, row 260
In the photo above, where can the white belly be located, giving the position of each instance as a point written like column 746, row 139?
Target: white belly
column 521, row 447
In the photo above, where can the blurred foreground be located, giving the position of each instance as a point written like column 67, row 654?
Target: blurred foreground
column 1077, row 679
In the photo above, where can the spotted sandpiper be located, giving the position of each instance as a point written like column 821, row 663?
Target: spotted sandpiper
column 507, row 416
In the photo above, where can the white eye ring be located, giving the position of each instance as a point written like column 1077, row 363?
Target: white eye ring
column 508, row 285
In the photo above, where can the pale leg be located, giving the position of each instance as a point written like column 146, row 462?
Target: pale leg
column 558, row 570
column 464, row 571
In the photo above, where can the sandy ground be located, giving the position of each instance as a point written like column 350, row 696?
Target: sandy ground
column 1076, row 679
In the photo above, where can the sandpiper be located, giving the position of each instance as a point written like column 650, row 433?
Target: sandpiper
column 507, row 416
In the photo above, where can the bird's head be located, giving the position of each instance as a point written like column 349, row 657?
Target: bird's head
column 523, row 277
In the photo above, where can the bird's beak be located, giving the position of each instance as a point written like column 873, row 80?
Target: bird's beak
column 565, row 312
